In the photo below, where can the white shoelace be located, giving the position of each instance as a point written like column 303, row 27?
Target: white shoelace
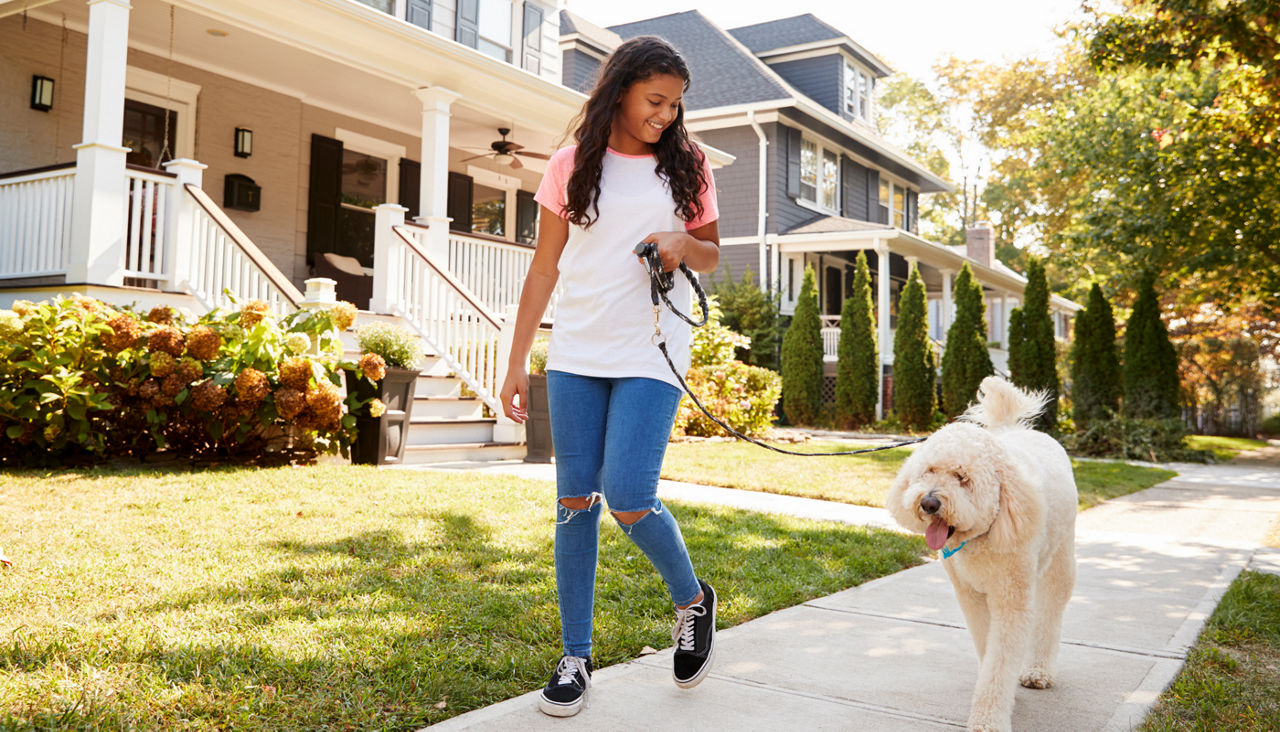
column 682, row 634
column 570, row 666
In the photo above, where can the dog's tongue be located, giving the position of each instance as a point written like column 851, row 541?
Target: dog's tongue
column 936, row 535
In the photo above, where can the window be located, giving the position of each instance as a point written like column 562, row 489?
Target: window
column 900, row 207
column 858, row 87
column 364, row 179
column 893, row 204
column 488, row 210
column 385, row 6
column 819, row 176
column 884, row 201
column 495, row 29
column 144, row 131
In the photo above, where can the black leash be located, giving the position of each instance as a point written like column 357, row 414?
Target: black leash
column 660, row 283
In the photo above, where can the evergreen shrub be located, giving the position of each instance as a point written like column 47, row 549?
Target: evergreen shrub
column 802, row 357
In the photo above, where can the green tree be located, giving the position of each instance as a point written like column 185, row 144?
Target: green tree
column 753, row 313
column 965, row 360
column 1095, row 364
column 1151, row 387
column 802, row 357
column 1032, row 350
column 858, row 361
column 913, row 359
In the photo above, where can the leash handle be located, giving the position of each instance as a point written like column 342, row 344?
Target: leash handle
column 661, row 282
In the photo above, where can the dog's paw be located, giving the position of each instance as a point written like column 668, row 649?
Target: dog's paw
column 1036, row 678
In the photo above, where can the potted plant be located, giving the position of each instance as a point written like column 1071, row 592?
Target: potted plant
column 537, row 431
column 384, row 388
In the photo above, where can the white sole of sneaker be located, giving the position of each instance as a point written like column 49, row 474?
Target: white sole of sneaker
column 546, row 706
column 706, row 667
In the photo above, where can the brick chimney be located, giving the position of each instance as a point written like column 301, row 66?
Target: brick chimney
column 980, row 243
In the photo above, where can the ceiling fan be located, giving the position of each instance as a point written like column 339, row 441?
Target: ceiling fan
column 504, row 151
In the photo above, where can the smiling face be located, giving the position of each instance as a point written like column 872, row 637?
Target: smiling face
column 948, row 488
column 645, row 109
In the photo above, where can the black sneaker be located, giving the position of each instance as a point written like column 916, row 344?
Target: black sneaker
column 694, row 635
column 567, row 689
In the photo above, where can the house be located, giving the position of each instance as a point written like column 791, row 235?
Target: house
column 179, row 150
column 794, row 101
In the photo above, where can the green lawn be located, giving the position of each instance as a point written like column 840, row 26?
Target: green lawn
column 1224, row 448
column 858, row 479
column 341, row 597
column 1230, row 681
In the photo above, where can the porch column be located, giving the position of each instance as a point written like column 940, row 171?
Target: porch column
column 882, row 320
column 433, row 201
column 1004, row 320
column 98, row 198
column 386, row 271
column 178, row 237
column 944, row 318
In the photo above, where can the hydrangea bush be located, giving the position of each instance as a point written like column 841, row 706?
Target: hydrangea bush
column 743, row 396
column 81, row 380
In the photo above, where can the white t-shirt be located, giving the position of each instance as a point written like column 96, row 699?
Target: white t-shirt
column 604, row 319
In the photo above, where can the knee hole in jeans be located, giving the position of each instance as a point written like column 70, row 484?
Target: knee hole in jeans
column 627, row 518
column 580, row 503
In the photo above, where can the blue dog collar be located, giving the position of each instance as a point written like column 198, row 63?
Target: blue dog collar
column 946, row 553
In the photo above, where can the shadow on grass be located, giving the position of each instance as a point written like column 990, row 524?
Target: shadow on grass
column 373, row 629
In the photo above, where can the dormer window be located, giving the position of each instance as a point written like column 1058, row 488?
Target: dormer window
column 859, row 86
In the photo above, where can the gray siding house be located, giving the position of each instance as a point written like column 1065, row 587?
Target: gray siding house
column 813, row 183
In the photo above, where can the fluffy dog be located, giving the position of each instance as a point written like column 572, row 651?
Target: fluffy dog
column 999, row 500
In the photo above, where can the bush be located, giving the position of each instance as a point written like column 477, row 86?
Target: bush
column 743, row 396
column 1095, row 364
column 1271, row 425
column 914, row 363
column 1123, row 438
column 966, row 361
column 857, row 357
column 399, row 347
column 538, row 356
column 753, row 313
column 1032, row 349
column 81, row 381
column 802, row 357
column 1151, row 385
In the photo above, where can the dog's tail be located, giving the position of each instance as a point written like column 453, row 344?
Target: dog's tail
column 1001, row 404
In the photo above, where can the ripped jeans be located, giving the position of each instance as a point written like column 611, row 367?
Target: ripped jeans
column 610, row 435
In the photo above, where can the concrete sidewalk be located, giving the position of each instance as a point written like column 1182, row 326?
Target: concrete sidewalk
column 894, row 654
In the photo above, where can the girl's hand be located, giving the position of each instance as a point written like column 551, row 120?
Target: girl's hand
column 672, row 247
column 515, row 395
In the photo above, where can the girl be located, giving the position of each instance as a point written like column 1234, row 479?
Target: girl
column 634, row 176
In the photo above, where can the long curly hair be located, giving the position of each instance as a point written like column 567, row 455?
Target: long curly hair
column 679, row 160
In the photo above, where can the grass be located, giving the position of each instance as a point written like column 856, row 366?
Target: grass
column 1232, row 676
column 858, row 479
column 1224, row 448
column 341, row 597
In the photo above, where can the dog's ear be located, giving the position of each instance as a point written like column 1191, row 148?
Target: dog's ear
column 1021, row 506
column 893, row 501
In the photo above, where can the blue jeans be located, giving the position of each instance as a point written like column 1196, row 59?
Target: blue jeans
column 610, row 435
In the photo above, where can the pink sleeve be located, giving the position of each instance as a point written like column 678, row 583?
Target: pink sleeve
column 555, row 182
column 710, row 209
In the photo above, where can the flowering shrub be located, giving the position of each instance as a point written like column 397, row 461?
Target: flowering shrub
column 743, row 396
column 397, row 346
column 81, row 380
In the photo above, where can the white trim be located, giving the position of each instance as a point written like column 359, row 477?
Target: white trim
column 149, row 87
column 883, row 68
column 723, row 123
column 388, row 151
column 822, row 148
column 493, row 179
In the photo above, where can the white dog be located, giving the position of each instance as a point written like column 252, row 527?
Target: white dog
column 999, row 500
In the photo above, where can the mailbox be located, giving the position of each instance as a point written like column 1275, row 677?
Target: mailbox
column 241, row 193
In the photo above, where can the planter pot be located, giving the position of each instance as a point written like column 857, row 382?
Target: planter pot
column 381, row 440
column 537, row 430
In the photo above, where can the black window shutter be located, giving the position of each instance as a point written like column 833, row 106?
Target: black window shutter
column 460, row 197
column 526, row 217
column 533, row 38
column 468, row 30
column 410, row 187
column 324, row 196
column 874, row 212
column 418, row 12
column 913, row 212
column 847, row 204
column 793, row 161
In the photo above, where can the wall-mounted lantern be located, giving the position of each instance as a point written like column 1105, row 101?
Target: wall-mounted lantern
column 41, row 93
column 244, row 142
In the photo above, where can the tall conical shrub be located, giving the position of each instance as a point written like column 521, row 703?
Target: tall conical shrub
column 1095, row 365
column 1032, row 352
column 802, row 357
column 966, row 360
column 1151, row 388
column 858, row 361
column 913, row 359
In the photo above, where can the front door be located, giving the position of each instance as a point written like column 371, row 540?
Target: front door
column 144, row 134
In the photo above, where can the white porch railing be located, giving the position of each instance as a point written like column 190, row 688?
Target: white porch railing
column 223, row 259
column 35, row 222
column 446, row 313
column 147, row 200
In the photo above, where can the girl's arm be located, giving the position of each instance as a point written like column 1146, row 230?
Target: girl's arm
column 699, row 248
column 553, row 232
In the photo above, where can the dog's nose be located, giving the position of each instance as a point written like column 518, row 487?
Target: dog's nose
column 929, row 504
